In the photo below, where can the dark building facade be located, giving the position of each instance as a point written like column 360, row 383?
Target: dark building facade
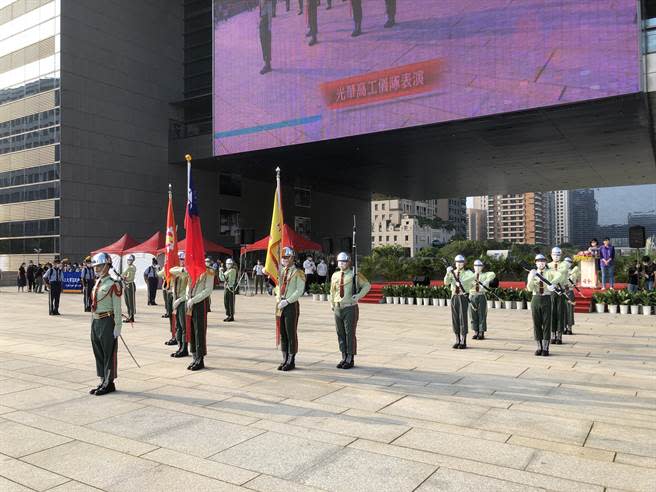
column 584, row 217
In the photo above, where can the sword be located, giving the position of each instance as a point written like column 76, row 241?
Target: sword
column 462, row 287
column 129, row 352
column 559, row 290
column 488, row 289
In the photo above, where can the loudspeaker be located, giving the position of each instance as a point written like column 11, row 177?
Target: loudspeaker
column 637, row 237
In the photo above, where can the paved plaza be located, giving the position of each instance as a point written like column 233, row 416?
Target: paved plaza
column 413, row 415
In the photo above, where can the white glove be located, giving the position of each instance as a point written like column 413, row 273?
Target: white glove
column 190, row 303
column 354, row 298
column 117, row 331
column 533, row 272
column 449, row 269
column 176, row 303
column 282, row 304
column 551, row 288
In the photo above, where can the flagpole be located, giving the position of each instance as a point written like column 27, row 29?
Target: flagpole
column 282, row 230
column 188, row 158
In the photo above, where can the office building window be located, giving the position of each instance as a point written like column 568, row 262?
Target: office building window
column 302, row 197
column 229, row 224
column 230, row 184
column 303, row 225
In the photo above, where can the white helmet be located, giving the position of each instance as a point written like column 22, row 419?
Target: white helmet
column 101, row 259
column 287, row 251
column 556, row 251
column 540, row 257
column 131, row 258
column 181, row 255
column 568, row 260
column 478, row 263
column 460, row 259
column 229, row 262
column 343, row 256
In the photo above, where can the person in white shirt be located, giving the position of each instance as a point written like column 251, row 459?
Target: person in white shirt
column 322, row 272
column 310, row 268
column 258, row 272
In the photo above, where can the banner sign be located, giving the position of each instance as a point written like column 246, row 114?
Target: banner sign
column 72, row 283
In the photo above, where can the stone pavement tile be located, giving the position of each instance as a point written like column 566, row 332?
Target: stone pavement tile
column 47, row 370
column 14, row 385
column 257, row 408
column 37, row 397
column 559, row 447
column 492, row 401
column 6, row 410
column 623, row 438
column 187, row 396
column 46, row 381
column 201, row 466
column 267, row 483
column 13, row 364
column 9, row 486
column 494, row 368
column 313, row 405
column 355, row 423
column 544, row 427
column 360, row 399
column 436, row 410
column 387, row 377
column 466, row 465
column 353, row 469
column 182, row 432
column 87, row 409
column 467, row 447
column 227, row 378
column 616, row 475
column 28, row 475
column 631, row 459
column 73, row 486
column 168, row 478
column 89, row 464
column 207, row 412
column 80, row 433
column 276, row 454
column 446, row 480
column 304, row 432
column 18, row 440
column 508, row 386
column 294, row 387
column 455, row 429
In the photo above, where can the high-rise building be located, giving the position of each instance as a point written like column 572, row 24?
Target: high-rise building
column 454, row 211
column 476, row 224
column 562, row 216
column 584, row 217
column 519, row 218
column 644, row 219
column 479, row 202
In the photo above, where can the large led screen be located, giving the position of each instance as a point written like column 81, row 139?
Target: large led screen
column 411, row 62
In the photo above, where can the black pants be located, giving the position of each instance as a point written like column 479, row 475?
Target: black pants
column 87, row 289
column 357, row 12
column 55, row 293
column 259, row 283
column 265, row 38
column 229, row 302
column 300, row 6
column 198, row 339
column 152, row 290
column 30, row 283
column 313, row 24
column 289, row 328
column 390, row 8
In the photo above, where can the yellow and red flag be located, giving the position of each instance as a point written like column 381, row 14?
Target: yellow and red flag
column 274, row 249
column 171, row 241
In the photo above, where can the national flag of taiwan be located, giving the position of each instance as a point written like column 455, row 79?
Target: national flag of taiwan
column 274, row 248
column 171, row 253
column 194, row 248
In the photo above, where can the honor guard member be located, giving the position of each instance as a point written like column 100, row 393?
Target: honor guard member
column 229, row 278
column 390, row 9
column 558, row 302
column 478, row 300
column 266, row 16
column 197, row 299
column 54, row 278
column 541, row 302
column 570, row 283
column 150, row 277
column 313, row 23
column 168, row 306
column 461, row 281
column 130, row 288
column 291, row 288
column 88, row 278
column 356, row 7
column 346, row 289
column 179, row 281
column 106, row 323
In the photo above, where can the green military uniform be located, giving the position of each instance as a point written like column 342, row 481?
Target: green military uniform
column 558, row 303
column 229, row 277
column 570, row 282
column 541, row 307
column 168, row 305
column 478, row 303
column 106, row 326
column 290, row 289
column 344, row 302
column 179, row 281
column 459, row 302
column 196, row 307
column 130, row 290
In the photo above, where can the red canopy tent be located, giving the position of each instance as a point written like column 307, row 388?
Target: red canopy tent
column 117, row 248
column 150, row 246
column 210, row 247
column 292, row 239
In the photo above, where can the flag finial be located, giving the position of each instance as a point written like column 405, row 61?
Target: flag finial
column 188, row 157
column 277, row 172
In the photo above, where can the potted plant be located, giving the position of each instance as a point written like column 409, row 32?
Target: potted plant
column 509, row 300
column 434, row 294
column 445, row 293
column 599, row 299
column 325, row 290
column 396, row 294
column 527, row 295
column 315, row 290
column 643, row 300
column 501, row 296
column 624, row 299
column 635, row 305
column 612, row 300
column 388, row 293
column 404, row 292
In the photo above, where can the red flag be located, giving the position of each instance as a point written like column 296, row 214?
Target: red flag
column 171, row 254
column 194, row 247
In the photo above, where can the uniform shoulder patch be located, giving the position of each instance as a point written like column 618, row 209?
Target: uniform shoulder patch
column 362, row 278
column 301, row 274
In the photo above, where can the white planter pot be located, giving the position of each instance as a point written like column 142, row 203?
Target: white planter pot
column 498, row 304
column 612, row 308
column 490, row 304
column 519, row 304
column 646, row 310
column 448, row 302
column 426, row 301
column 600, row 307
column 397, row 300
column 404, row 300
column 324, row 297
column 442, row 302
column 635, row 309
column 508, row 304
column 435, row 301
column 388, row 300
column 624, row 309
